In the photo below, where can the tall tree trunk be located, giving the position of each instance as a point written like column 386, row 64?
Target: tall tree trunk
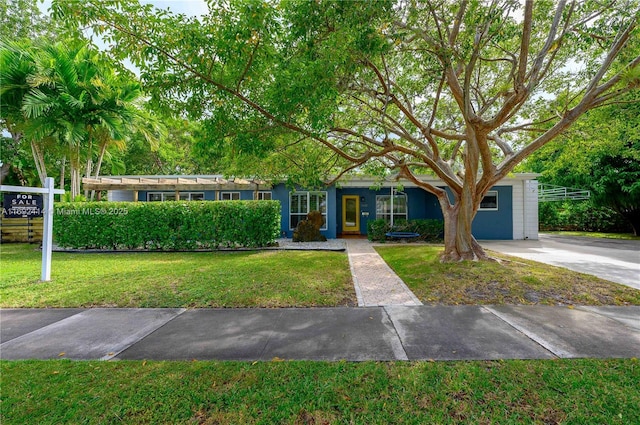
column 75, row 181
column 62, row 171
column 459, row 243
column 88, row 173
column 103, row 149
column 38, row 158
column 74, row 166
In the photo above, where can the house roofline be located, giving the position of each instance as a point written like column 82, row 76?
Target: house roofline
column 389, row 181
column 218, row 182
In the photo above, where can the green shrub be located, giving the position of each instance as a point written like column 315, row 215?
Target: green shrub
column 166, row 225
column 429, row 229
column 580, row 216
column 376, row 230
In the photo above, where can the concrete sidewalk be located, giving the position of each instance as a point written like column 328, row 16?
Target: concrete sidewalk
column 355, row 334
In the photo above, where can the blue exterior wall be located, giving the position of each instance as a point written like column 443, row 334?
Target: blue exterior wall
column 281, row 193
column 209, row 195
column 424, row 205
column 496, row 224
column 421, row 205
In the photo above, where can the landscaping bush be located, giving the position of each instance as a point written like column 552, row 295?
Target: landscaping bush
column 430, row 230
column 166, row 226
column 580, row 216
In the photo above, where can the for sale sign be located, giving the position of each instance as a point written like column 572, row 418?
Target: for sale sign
column 19, row 205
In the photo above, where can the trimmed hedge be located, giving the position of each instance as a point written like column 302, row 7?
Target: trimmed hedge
column 430, row 230
column 168, row 226
column 580, row 216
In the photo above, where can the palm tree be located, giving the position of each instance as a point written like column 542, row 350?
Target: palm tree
column 18, row 64
column 80, row 101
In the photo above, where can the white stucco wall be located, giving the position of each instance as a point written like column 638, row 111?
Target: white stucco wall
column 518, row 209
column 525, row 209
column 531, row 209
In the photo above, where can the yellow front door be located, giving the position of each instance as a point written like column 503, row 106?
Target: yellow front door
column 350, row 214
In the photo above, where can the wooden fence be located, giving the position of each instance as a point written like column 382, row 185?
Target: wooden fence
column 21, row 229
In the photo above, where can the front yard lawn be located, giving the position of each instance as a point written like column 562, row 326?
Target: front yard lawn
column 512, row 281
column 587, row 391
column 200, row 279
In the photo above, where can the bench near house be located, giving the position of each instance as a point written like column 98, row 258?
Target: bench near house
column 508, row 211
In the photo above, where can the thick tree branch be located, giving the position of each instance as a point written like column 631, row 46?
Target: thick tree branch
column 534, row 73
column 527, row 23
column 504, row 146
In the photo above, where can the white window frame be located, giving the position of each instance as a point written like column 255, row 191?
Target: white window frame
column 489, row 193
column 150, row 194
column 306, row 206
column 397, row 215
column 263, row 196
column 190, row 196
column 232, row 195
column 172, row 195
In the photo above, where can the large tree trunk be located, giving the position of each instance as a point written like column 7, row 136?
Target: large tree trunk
column 459, row 243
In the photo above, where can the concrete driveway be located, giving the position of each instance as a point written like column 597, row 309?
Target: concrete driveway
column 611, row 259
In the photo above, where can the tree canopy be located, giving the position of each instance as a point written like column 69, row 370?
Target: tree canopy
column 461, row 90
column 600, row 153
column 65, row 99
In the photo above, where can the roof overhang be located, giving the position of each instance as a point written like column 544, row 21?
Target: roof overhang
column 177, row 183
column 217, row 182
column 393, row 180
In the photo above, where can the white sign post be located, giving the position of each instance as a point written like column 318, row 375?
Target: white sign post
column 47, row 233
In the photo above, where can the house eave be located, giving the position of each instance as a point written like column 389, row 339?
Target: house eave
column 173, row 183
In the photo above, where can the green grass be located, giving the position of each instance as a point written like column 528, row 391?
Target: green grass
column 625, row 236
column 505, row 392
column 510, row 281
column 203, row 279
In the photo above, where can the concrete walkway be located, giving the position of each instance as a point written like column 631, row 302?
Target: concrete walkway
column 354, row 334
column 375, row 283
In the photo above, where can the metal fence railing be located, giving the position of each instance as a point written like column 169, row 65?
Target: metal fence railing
column 550, row 193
